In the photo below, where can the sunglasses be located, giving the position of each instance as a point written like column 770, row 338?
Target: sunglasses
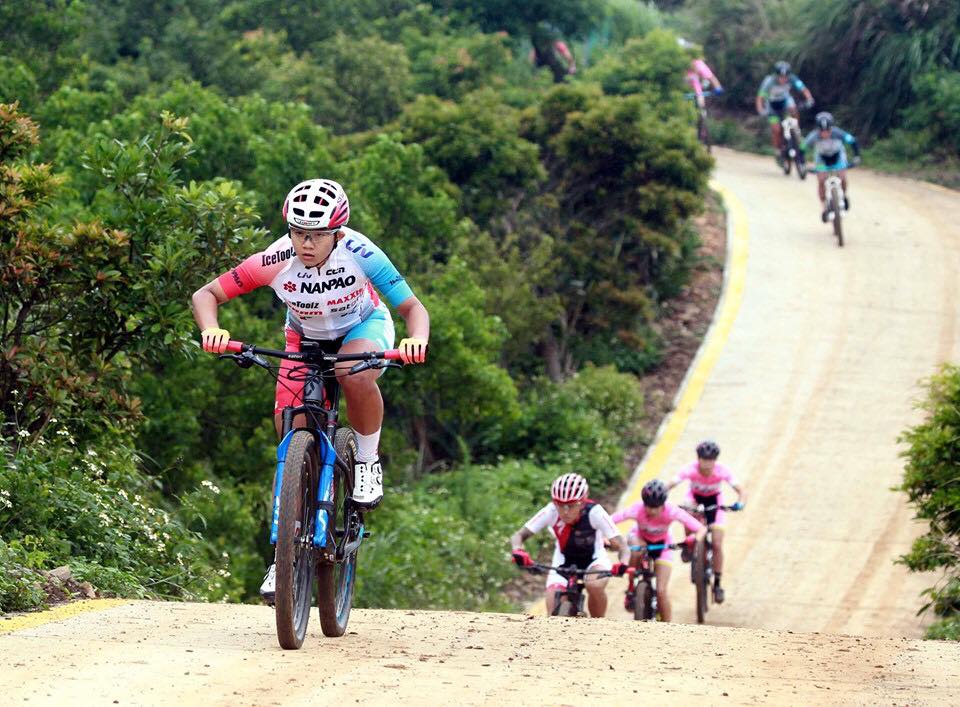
column 312, row 236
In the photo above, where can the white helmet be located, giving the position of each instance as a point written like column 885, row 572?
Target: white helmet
column 317, row 204
column 569, row 487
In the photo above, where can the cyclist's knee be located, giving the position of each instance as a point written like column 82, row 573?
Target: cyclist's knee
column 596, row 584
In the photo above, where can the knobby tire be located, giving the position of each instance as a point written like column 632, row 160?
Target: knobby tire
column 700, row 579
column 294, row 540
column 335, row 580
column 643, row 602
column 837, row 209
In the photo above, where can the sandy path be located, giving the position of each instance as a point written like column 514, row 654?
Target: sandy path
column 814, row 384
column 195, row 654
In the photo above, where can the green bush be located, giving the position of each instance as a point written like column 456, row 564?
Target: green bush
column 93, row 510
column 932, row 483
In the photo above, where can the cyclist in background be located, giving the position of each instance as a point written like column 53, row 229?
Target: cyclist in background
column 699, row 75
column 830, row 155
column 653, row 518
column 326, row 273
column 579, row 527
column 706, row 476
column 774, row 100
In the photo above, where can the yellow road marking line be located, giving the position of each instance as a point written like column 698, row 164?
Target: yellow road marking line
column 735, row 275
column 738, row 237
column 58, row 613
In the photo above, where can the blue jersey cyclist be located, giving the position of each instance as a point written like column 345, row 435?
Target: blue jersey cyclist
column 331, row 279
column 829, row 144
column 775, row 99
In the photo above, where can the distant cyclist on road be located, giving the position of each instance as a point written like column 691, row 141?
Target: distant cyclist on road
column 699, row 75
column 707, row 476
column 774, row 100
column 579, row 527
column 325, row 273
column 829, row 148
column 653, row 518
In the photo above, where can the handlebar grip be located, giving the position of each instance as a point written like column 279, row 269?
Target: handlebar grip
column 392, row 354
column 234, row 346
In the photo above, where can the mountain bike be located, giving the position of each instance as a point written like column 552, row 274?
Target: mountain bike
column 645, row 587
column 315, row 526
column 701, row 569
column 703, row 130
column 792, row 152
column 569, row 600
column 836, row 201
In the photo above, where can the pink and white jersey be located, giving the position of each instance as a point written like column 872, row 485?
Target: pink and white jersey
column 709, row 485
column 656, row 528
column 697, row 72
column 326, row 301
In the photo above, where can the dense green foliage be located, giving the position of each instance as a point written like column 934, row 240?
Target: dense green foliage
column 543, row 224
column 887, row 70
column 932, row 483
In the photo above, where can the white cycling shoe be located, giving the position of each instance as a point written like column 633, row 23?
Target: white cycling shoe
column 367, row 484
column 268, row 590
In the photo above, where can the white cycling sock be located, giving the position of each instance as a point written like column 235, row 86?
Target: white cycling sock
column 367, row 446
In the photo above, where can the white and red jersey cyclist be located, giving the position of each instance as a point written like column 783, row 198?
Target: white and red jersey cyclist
column 580, row 543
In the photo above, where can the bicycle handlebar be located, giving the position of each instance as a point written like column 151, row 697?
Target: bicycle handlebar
column 240, row 347
column 700, row 508
column 711, row 92
column 566, row 571
column 657, row 546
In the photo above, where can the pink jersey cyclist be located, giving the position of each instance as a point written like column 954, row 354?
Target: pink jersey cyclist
column 706, row 488
column 654, row 528
column 697, row 73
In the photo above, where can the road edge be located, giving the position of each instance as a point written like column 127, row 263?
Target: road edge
column 18, row 622
column 691, row 388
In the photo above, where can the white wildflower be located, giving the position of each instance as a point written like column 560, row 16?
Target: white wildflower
column 210, row 485
column 223, row 573
column 63, row 433
column 91, row 453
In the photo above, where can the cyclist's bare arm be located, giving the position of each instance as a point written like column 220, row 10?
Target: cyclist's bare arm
column 741, row 492
column 519, row 537
column 205, row 303
column 416, row 317
column 619, row 544
column 672, row 484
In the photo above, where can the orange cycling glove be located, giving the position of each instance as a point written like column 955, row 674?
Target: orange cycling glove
column 215, row 339
column 413, row 350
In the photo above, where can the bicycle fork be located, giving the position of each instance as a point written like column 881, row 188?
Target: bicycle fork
column 324, row 490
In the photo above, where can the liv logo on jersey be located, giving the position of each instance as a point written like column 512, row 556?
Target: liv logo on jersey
column 358, row 248
column 331, row 284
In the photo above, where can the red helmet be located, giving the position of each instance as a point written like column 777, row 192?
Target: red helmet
column 317, row 204
column 568, row 488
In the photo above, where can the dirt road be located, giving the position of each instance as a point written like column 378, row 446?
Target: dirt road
column 202, row 654
column 807, row 388
column 815, row 381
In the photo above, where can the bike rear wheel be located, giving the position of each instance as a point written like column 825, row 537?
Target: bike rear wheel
column 700, row 579
column 295, row 556
column 703, row 131
column 837, row 210
column 335, row 580
column 643, row 603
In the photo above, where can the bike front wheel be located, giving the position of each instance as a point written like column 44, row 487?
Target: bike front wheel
column 837, row 204
column 335, row 580
column 700, row 579
column 643, row 602
column 295, row 557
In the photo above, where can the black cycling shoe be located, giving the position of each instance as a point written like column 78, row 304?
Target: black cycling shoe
column 825, row 216
column 630, row 601
column 846, row 203
column 717, row 594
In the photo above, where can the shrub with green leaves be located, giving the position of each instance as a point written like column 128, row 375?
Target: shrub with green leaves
column 90, row 508
column 932, row 483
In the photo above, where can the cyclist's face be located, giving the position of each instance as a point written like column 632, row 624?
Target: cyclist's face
column 654, row 511
column 825, row 134
column 313, row 247
column 706, row 466
column 569, row 512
